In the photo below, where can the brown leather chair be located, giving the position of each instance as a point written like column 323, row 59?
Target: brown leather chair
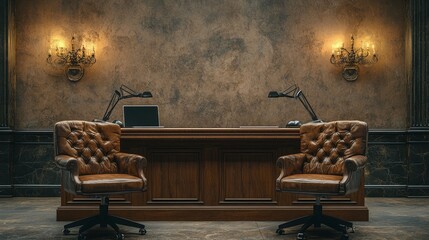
column 331, row 162
column 89, row 156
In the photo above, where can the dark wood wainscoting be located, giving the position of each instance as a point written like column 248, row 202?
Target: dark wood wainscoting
column 212, row 174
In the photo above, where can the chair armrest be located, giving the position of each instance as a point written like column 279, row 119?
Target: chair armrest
column 353, row 167
column 289, row 164
column 355, row 162
column 70, row 173
column 68, row 163
column 132, row 164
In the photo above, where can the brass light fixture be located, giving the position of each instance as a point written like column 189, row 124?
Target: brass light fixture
column 74, row 60
column 349, row 60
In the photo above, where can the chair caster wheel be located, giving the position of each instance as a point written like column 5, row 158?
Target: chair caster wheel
column 66, row 231
column 119, row 236
column 142, row 231
column 300, row 236
column 81, row 237
column 345, row 237
column 280, row 231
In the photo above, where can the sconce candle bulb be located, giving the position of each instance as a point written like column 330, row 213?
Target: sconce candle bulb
column 74, row 60
column 349, row 60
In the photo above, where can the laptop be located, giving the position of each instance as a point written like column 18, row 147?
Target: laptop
column 140, row 116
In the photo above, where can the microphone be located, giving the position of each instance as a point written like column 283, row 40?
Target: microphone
column 145, row 95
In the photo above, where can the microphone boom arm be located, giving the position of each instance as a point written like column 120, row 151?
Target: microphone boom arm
column 112, row 104
column 300, row 95
column 296, row 93
column 119, row 95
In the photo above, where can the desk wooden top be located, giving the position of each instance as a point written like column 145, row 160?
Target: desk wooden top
column 210, row 133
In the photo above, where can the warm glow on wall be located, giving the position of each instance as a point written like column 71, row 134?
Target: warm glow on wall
column 337, row 45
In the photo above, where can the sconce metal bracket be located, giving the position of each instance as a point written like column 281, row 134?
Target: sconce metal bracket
column 350, row 73
column 74, row 72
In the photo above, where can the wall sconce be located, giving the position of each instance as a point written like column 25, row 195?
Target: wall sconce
column 74, row 60
column 349, row 60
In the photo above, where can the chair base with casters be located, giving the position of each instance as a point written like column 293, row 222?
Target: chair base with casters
column 317, row 219
column 104, row 219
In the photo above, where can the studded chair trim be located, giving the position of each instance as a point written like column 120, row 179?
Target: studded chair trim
column 327, row 145
column 92, row 144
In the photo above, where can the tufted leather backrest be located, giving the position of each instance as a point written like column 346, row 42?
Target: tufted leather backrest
column 91, row 143
column 326, row 145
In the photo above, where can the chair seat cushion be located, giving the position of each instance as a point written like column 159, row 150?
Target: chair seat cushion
column 311, row 183
column 105, row 183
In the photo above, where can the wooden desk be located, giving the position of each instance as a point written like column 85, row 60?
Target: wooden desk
column 212, row 174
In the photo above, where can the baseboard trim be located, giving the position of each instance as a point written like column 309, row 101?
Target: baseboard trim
column 36, row 190
column 386, row 186
column 6, row 191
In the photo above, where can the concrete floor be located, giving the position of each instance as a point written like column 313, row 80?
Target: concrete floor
column 390, row 218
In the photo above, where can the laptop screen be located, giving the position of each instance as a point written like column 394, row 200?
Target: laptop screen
column 141, row 116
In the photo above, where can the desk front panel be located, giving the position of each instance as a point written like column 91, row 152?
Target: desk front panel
column 212, row 174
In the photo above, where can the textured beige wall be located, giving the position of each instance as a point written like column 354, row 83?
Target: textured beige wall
column 212, row 63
